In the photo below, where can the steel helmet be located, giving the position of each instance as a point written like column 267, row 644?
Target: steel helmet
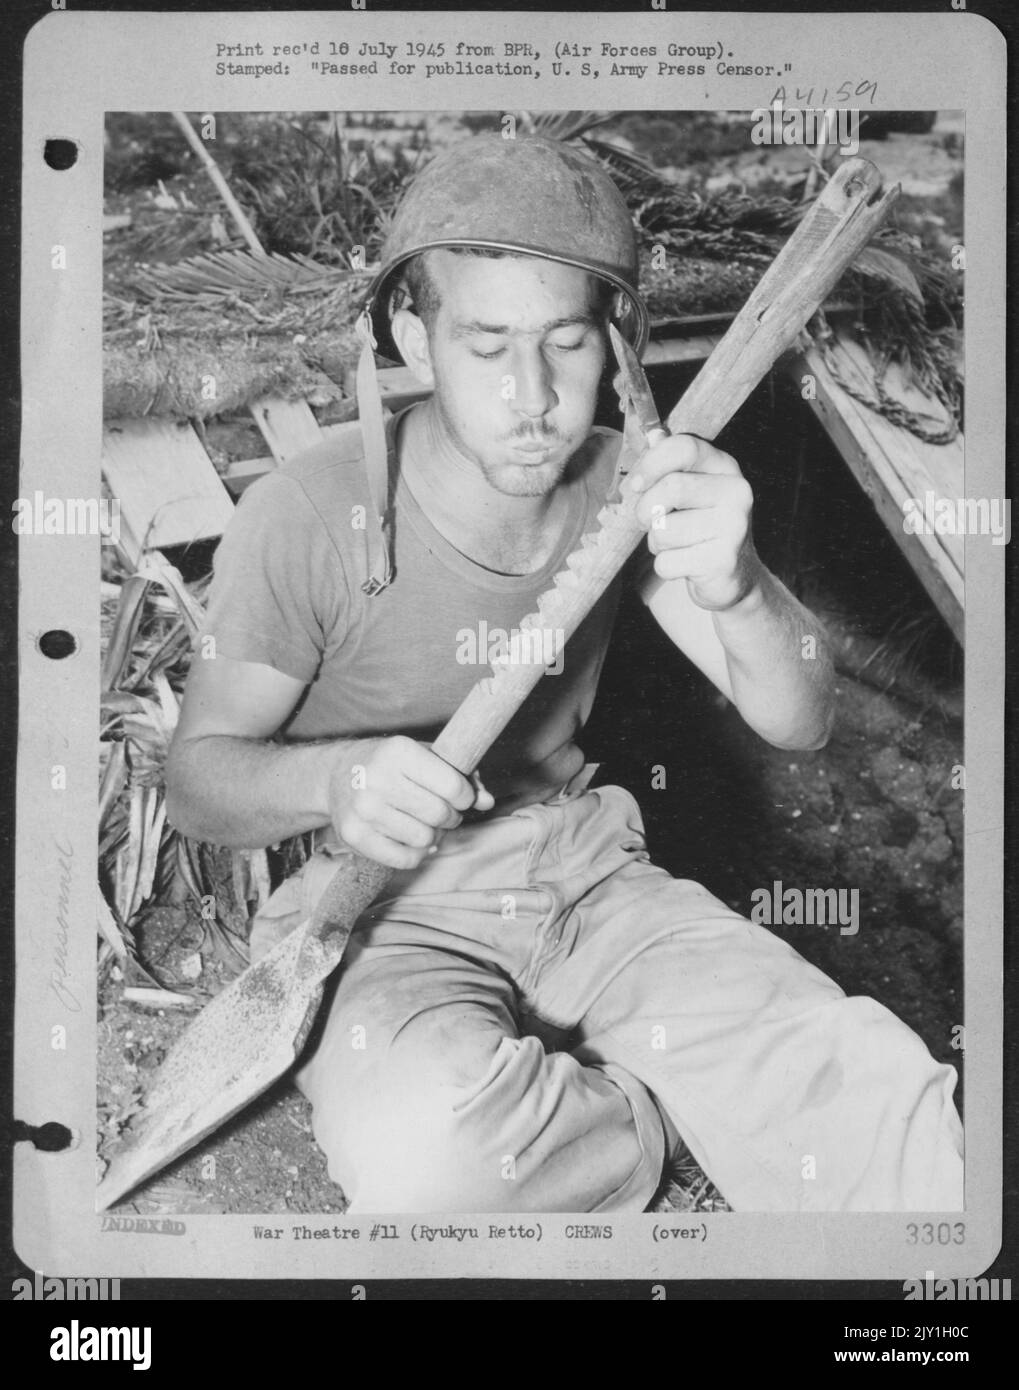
column 526, row 196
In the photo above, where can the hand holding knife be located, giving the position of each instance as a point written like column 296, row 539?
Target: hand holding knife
column 695, row 502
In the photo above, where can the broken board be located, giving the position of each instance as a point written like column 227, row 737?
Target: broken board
column 168, row 489
column 891, row 464
column 288, row 427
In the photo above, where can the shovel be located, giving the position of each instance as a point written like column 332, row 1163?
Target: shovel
column 254, row 1030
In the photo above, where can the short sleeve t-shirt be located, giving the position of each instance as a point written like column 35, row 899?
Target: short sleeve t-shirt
column 286, row 593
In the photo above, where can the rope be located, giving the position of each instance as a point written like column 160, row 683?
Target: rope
column 921, row 426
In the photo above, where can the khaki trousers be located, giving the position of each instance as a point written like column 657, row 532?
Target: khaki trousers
column 510, row 1025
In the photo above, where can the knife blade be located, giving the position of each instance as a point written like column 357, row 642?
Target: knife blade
column 636, row 388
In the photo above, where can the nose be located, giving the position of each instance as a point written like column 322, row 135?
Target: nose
column 533, row 389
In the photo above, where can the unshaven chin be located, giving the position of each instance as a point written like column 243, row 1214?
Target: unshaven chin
column 505, row 475
column 524, row 480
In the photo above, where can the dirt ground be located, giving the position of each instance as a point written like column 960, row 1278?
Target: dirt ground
column 879, row 811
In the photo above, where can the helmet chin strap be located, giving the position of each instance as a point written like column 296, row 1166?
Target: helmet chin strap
column 376, row 456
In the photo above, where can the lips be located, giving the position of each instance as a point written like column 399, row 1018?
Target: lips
column 533, row 446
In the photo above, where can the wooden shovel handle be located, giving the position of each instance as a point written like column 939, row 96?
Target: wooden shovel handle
column 833, row 231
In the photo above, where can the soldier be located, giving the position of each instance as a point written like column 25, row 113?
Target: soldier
column 535, row 1016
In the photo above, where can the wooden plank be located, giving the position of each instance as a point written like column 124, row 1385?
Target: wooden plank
column 673, row 350
column 288, row 427
column 891, row 465
column 244, row 472
column 922, row 467
column 398, row 386
column 168, row 488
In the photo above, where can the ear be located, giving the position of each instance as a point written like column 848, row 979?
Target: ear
column 411, row 337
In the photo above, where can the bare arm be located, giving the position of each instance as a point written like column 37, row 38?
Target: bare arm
column 767, row 654
column 721, row 605
column 225, row 783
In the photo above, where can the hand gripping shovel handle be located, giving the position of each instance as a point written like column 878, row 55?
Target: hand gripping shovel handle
column 833, row 231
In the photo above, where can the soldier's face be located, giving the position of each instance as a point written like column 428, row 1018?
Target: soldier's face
column 516, row 351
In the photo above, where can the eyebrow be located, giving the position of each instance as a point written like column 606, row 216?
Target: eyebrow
column 474, row 326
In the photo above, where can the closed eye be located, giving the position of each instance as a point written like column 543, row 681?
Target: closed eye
column 583, row 337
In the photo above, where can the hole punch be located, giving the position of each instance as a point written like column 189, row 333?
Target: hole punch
column 50, row 1138
column 57, row 644
column 61, row 154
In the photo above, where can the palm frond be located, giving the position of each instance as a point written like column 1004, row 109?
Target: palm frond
column 568, row 125
column 236, row 272
column 108, row 928
column 117, row 656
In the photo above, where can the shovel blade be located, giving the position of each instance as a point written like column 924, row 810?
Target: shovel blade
column 240, row 1043
column 245, row 1038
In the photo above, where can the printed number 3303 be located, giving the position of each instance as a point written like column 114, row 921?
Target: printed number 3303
column 945, row 1233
